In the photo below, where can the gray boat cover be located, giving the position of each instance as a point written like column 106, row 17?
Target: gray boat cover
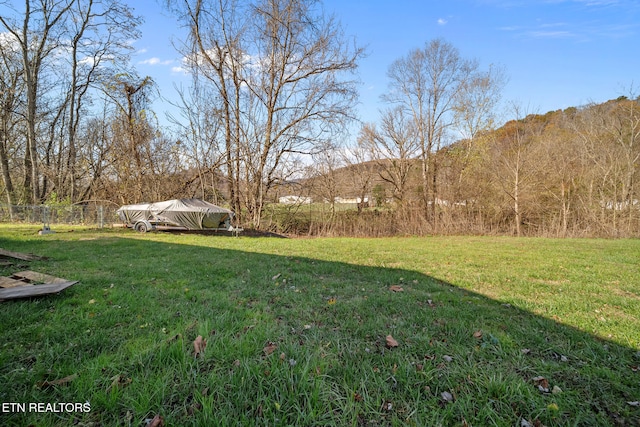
column 194, row 214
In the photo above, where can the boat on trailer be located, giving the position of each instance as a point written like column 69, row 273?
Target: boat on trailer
column 183, row 214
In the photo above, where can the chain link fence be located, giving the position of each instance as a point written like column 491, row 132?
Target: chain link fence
column 95, row 215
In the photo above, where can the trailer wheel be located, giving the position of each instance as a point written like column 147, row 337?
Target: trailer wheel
column 141, row 227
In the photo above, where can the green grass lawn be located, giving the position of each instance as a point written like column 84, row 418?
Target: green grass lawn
column 490, row 331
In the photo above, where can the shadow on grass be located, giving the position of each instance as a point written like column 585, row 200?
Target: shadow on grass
column 290, row 341
column 225, row 233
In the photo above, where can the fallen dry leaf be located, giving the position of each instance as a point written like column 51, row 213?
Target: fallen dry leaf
column 391, row 342
column 357, row 397
column 269, row 348
column 556, row 390
column 119, row 381
column 258, row 412
column 396, row 288
column 276, row 276
column 199, row 344
column 157, row 421
column 542, row 383
column 195, row 407
column 61, row 381
column 477, row 334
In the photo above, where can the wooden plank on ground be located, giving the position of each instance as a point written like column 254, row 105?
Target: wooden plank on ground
column 32, row 291
column 34, row 276
column 19, row 255
column 8, row 282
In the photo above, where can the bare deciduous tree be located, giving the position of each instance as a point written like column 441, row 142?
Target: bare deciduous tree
column 200, row 130
column 362, row 171
column 133, row 135
column 623, row 129
column 561, row 169
column 475, row 111
column 278, row 69
column 394, row 147
column 38, row 35
column 65, row 48
column 429, row 84
column 100, row 33
column 215, row 54
column 299, row 58
column 11, row 93
column 513, row 163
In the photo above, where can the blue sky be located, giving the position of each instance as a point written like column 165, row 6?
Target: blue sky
column 557, row 53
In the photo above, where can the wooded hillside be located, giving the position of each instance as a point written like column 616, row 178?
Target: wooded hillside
column 563, row 173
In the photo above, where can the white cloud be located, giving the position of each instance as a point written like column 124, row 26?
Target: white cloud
column 551, row 34
column 579, row 32
column 155, row 61
column 151, row 61
column 8, row 41
column 88, row 60
column 442, row 21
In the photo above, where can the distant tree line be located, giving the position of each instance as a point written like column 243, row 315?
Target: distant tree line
column 570, row 172
column 273, row 92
